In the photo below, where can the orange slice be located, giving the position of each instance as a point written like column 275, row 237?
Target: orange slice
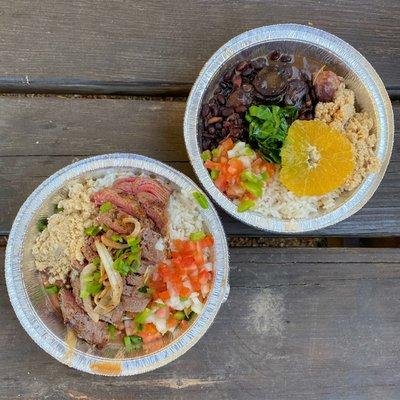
column 316, row 159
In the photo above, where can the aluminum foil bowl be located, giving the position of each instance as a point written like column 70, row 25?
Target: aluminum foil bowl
column 338, row 55
column 32, row 306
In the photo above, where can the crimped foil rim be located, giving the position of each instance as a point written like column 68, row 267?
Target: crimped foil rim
column 354, row 61
column 33, row 324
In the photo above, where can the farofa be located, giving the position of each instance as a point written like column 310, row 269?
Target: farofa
column 60, row 244
column 356, row 126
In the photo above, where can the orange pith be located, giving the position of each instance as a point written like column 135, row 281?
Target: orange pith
column 316, row 159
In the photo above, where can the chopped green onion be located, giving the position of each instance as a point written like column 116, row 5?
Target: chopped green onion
column 206, row 155
column 245, row 205
column 117, row 238
column 42, row 224
column 111, row 330
column 183, row 298
column 134, row 242
column 133, row 342
column 92, row 285
column 96, row 261
column 248, row 176
column 264, row 176
column 248, row 151
column 215, row 152
column 254, row 188
column 142, row 317
column 122, row 266
column 139, row 327
column 214, row 174
column 201, row 199
column 127, row 343
column 195, row 236
column 92, row 230
column 179, row 315
column 52, row 289
column 105, row 207
column 58, row 209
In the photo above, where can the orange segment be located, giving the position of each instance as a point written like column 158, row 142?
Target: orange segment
column 316, row 159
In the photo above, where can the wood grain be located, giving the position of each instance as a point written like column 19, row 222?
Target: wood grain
column 39, row 135
column 300, row 324
column 158, row 47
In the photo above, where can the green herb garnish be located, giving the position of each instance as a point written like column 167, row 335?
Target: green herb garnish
column 52, row 289
column 268, row 126
column 143, row 289
column 105, row 207
column 42, row 224
column 201, row 199
column 92, row 230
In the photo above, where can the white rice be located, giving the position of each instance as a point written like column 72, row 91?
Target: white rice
column 184, row 216
column 278, row 202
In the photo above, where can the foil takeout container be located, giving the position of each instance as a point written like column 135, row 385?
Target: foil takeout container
column 359, row 75
column 32, row 306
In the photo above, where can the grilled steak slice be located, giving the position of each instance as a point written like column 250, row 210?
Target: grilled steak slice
column 139, row 184
column 92, row 332
column 88, row 249
column 136, row 302
column 125, row 203
column 148, row 243
column 115, row 317
column 157, row 214
column 76, row 289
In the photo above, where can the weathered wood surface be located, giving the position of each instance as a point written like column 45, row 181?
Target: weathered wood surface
column 39, row 135
column 299, row 324
column 159, row 47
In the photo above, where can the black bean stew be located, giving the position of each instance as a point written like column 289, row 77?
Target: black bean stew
column 276, row 79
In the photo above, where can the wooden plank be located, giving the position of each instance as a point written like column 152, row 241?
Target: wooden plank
column 300, row 324
column 39, row 135
column 159, row 47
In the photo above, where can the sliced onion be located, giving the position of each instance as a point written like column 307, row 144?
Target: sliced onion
column 87, row 301
column 136, row 229
column 114, row 276
column 114, row 245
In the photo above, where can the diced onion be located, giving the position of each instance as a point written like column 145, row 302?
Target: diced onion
column 87, row 301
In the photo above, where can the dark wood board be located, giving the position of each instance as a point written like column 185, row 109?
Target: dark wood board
column 300, row 324
column 39, row 135
column 156, row 47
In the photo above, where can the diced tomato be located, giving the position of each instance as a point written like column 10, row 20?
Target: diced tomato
column 184, row 291
column 164, row 296
column 235, row 166
column 208, row 241
column 187, row 260
column 204, row 277
column 212, row 165
column 184, row 325
column 226, row 145
column 149, row 333
column 172, row 322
